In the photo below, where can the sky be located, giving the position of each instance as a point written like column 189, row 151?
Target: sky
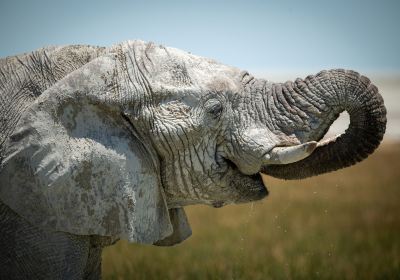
column 258, row 36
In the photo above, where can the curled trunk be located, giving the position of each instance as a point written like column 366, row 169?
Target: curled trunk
column 320, row 99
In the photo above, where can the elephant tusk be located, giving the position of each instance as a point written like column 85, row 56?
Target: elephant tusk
column 329, row 140
column 286, row 155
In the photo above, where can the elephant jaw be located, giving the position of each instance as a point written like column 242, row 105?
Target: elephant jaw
column 251, row 187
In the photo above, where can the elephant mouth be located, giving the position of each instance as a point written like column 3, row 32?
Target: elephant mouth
column 248, row 187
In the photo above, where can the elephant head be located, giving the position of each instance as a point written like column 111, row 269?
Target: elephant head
column 143, row 128
column 215, row 127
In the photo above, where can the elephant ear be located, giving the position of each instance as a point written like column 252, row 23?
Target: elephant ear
column 75, row 164
column 181, row 228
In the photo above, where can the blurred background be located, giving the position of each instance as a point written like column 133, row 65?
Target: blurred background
column 343, row 225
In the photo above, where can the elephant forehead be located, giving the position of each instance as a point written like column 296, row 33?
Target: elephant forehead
column 222, row 84
column 173, row 67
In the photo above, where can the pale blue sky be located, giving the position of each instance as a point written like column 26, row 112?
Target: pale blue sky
column 253, row 35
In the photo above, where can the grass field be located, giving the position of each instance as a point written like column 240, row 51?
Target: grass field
column 343, row 225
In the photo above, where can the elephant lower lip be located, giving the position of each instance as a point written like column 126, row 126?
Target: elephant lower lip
column 264, row 190
column 257, row 177
column 250, row 187
column 257, row 188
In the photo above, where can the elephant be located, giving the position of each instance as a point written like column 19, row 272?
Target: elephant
column 99, row 144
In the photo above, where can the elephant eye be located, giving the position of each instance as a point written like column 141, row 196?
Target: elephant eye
column 213, row 107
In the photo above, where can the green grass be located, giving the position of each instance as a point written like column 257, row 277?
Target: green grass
column 343, row 225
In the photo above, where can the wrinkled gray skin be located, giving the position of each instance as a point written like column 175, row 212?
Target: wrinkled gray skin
column 210, row 129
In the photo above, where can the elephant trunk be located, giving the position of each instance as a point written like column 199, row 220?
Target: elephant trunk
column 308, row 107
